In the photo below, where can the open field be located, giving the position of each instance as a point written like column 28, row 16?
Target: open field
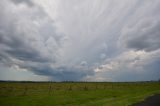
column 75, row 94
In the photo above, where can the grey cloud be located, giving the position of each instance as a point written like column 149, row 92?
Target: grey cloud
column 32, row 43
column 18, row 49
column 72, row 74
column 142, row 33
column 58, row 73
column 28, row 2
column 39, row 37
column 146, row 40
column 17, row 45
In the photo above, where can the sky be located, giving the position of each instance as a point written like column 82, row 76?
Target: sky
column 80, row 40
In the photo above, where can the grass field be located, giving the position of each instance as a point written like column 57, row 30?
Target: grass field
column 75, row 94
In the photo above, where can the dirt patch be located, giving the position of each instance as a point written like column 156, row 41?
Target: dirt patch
column 150, row 101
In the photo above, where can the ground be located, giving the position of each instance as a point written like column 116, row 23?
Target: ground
column 75, row 94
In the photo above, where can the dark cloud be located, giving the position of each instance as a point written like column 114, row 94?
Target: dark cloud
column 28, row 2
column 72, row 73
column 143, row 32
column 33, row 48
column 17, row 45
column 147, row 40
column 31, row 39
column 59, row 73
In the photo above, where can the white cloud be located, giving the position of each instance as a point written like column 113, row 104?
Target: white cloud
column 128, row 62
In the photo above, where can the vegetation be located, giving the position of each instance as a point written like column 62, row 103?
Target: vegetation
column 75, row 93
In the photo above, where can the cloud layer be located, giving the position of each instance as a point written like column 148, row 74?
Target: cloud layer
column 80, row 40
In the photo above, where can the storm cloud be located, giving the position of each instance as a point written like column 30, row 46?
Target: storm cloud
column 28, row 2
column 80, row 40
column 143, row 33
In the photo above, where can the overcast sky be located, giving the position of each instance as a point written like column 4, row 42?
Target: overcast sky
column 80, row 40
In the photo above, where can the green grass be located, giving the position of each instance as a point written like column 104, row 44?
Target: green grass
column 75, row 94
